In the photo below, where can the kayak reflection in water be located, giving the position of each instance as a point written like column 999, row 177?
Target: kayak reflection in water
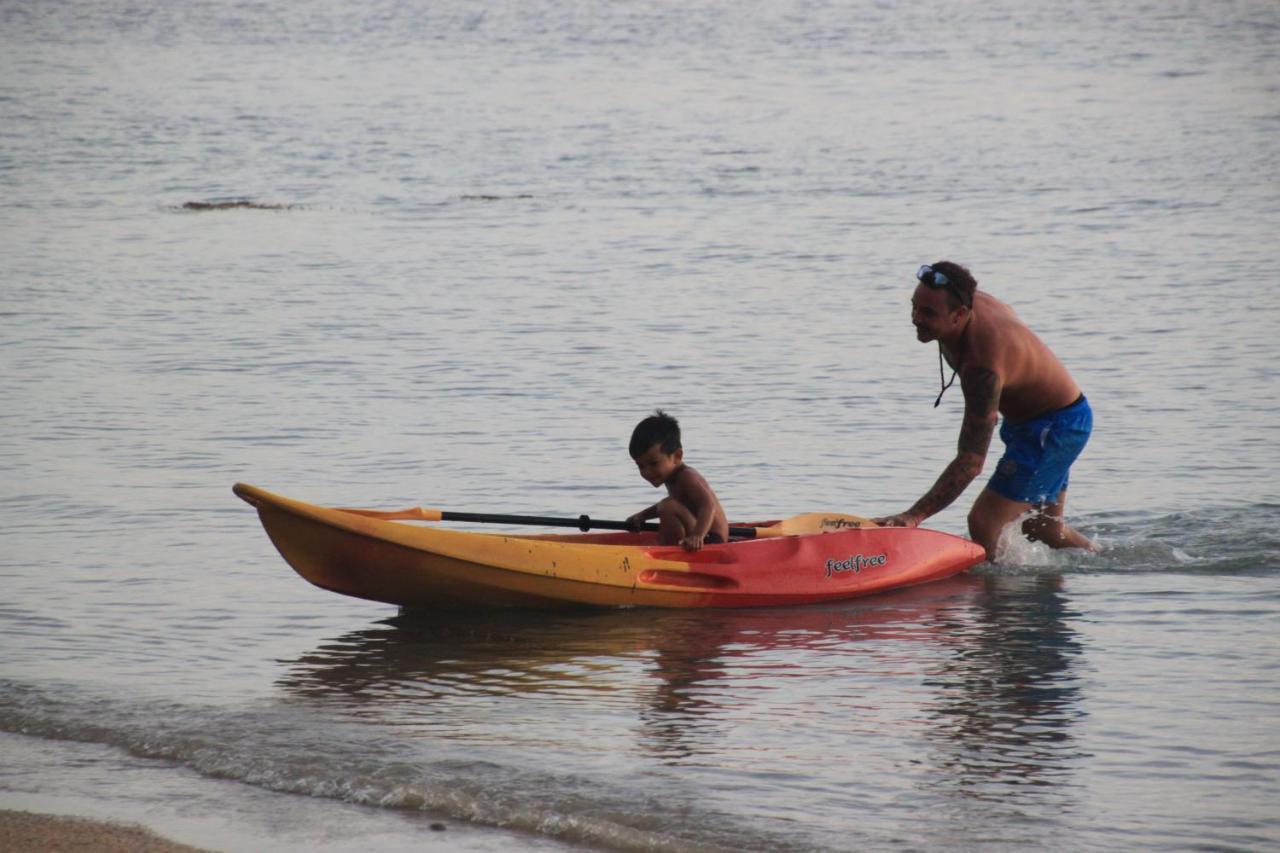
column 691, row 514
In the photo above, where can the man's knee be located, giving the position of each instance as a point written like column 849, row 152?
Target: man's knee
column 982, row 517
column 983, row 531
column 988, row 517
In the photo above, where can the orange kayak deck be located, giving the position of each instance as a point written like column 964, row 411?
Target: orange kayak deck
column 418, row 566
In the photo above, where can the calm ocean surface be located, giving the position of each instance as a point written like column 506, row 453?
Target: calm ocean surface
column 495, row 237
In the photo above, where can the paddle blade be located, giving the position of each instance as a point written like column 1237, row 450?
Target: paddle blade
column 416, row 513
column 814, row 522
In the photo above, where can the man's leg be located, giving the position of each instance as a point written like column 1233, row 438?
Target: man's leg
column 990, row 513
column 1049, row 527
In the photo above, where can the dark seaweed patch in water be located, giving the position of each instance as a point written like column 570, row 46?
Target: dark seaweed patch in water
column 234, row 204
column 488, row 197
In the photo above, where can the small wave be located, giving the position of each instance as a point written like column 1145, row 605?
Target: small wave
column 283, row 749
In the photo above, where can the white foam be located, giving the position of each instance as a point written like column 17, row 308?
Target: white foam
column 1013, row 548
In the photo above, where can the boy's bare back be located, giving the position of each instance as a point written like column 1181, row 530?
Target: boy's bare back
column 691, row 489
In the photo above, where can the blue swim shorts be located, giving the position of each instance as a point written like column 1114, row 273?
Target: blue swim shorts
column 1039, row 452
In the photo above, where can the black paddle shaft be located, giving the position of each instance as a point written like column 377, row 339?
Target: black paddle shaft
column 582, row 522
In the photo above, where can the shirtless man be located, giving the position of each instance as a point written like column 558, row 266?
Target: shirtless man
column 691, row 514
column 1004, row 370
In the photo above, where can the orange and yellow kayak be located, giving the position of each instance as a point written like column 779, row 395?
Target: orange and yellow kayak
column 352, row 553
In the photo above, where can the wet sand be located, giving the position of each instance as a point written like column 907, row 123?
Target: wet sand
column 28, row 832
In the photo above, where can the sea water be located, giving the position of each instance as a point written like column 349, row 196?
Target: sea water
column 391, row 253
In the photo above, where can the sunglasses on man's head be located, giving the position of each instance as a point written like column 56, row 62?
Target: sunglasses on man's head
column 938, row 281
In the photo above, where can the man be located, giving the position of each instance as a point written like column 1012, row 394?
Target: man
column 1004, row 369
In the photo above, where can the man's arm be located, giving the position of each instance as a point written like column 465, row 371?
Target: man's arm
column 981, row 387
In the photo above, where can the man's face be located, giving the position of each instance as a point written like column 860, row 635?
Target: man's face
column 932, row 314
column 656, row 466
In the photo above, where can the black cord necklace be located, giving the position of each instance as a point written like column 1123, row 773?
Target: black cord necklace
column 941, row 371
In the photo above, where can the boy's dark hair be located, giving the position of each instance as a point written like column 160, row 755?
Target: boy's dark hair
column 961, row 280
column 660, row 429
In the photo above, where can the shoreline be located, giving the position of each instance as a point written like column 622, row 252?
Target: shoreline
column 35, row 832
column 85, row 797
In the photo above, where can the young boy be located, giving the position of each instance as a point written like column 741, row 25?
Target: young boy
column 690, row 514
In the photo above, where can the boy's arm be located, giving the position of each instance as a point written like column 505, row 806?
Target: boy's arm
column 638, row 519
column 697, row 493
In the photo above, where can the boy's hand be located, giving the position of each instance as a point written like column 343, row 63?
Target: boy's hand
column 692, row 543
column 635, row 522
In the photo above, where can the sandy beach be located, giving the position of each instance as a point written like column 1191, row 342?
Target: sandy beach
column 29, row 832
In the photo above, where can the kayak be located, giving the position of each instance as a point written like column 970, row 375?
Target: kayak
column 354, row 553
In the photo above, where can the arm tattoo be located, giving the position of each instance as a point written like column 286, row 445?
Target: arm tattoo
column 954, row 480
column 981, row 401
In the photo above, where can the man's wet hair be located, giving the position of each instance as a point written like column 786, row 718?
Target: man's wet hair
column 660, row 429
column 961, row 279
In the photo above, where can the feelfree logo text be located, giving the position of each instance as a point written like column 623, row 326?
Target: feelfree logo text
column 855, row 563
